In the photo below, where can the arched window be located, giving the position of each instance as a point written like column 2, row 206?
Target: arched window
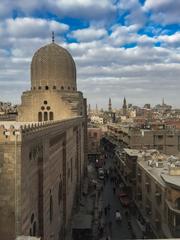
column 178, row 203
column 45, row 116
column 39, row 116
column 51, row 209
column 32, row 218
column 60, row 192
column 46, row 87
column 51, row 116
column 34, row 229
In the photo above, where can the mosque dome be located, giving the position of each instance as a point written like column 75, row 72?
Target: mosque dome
column 53, row 67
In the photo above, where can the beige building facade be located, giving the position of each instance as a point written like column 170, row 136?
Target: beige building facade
column 166, row 140
column 158, row 195
column 43, row 154
column 94, row 138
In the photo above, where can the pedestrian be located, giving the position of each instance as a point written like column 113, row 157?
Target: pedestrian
column 105, row 211
column 127, row 213
column 114, row 190
column 111, row 179
column 110, row 226
column 109, row 207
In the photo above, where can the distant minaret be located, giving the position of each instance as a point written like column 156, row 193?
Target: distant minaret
column 96, row 108
column 124, row 107
column 163, row 102
column 110, row 105
column 89, row 109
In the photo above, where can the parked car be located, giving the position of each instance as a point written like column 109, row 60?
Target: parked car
column 124, row 199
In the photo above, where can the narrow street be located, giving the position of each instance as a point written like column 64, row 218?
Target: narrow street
column 119, row 230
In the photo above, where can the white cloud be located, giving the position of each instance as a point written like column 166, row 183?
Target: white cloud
column 164, row 11
column 170, row 40
column 86, row 9
column 33, row 27
column 136, row 13
column 89, row 34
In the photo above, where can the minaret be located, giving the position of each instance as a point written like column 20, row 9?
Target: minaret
column 96, row 108
column 89, row 109
column 163, row 102
column 124, row 107
column 53, row 37
column 110, row 105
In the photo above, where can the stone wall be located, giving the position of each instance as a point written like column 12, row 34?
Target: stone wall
column 51, row 167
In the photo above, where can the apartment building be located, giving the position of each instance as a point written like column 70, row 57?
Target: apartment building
column 157, row 194
column 165, row 140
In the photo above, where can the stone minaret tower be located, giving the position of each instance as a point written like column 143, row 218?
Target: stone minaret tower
column 110, row 105
column 89, row 109
column 53, row 94
column 97, row 109
column 124, row 107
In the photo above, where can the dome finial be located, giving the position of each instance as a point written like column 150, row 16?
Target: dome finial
column 53, row 37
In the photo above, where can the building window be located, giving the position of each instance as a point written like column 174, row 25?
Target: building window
column 177, row 203
column 60, row 191
column 62, row 87
column 34, row 229
column 48, row 108
column 71, row 170
column 95, row 135
column 39, row 116
column 42, row 108
column 51, row 116
column 50, row 208
column 54, row 87
column 160, row 147
column 45, row 102
column 148, row 185
column 39, row 87
column 46, row 87
column 30, row 155
column 45, row 116
column 32, row 218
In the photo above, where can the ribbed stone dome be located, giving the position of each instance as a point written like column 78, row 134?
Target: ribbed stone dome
column 53, row 67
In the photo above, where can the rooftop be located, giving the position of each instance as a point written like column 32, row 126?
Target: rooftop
column 164, row 168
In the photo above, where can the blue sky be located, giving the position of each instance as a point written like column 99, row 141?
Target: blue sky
column 121, row 47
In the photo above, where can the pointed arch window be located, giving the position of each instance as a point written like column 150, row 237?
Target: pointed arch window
column 39, row 116
column 51, row 116
column 45, row 116
column 51, row 209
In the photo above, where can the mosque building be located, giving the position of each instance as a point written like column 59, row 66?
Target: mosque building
column 43, row 153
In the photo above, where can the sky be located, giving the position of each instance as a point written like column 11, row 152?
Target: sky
column 121, row 48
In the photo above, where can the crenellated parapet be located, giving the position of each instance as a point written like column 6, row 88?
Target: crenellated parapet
column 15, row 130
column 10, row 133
